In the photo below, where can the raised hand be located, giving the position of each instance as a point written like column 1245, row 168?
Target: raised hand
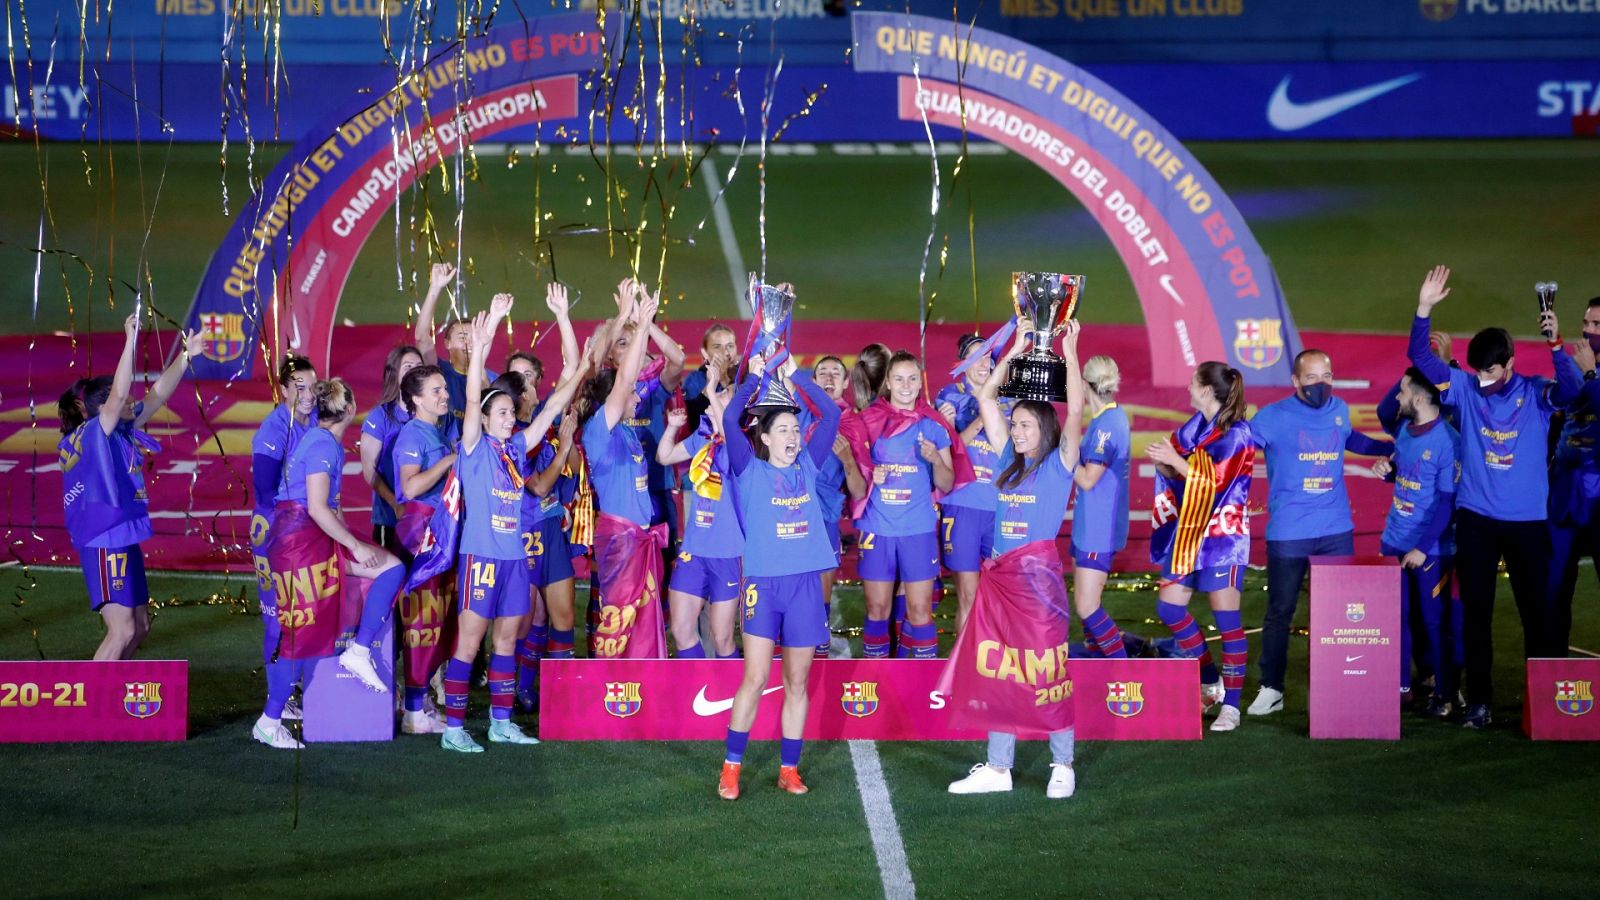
column 788, row 367
column 567, row 428
column 626, row 296
column 1440, row 343
column 927, row 449
column 130, row 326
column 1435, row 287
column 677, row 418
column 1069, row 338
column 1549, row 325
column 758, row 365
column 500, row 306
column 1583, row 355
column 194, row 344
column 555, row 297
column 440, row 276
column 645, row 310
column 948, row 411
column 483, row 330
column 1019, row 340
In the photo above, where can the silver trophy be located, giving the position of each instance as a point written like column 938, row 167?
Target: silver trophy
column 1044, row 302
column 1547, row 299
column 772, row 309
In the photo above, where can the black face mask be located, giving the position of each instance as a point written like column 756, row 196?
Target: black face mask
column 1594, row 342
column 1316, row 395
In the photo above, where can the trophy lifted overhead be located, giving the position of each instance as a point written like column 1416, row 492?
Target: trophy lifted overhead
column 1044, row 302
column 772, row 311
column 1547, row 300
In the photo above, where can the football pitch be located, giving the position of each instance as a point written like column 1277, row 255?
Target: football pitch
column 1263, row 811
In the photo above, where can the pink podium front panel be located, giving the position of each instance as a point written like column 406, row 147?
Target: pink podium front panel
column 88, row 700
column 1355, row 647
column 1559, row 705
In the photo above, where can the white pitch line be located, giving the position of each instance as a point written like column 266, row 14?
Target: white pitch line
column 1583, row 651
column 1247, row 631
column 730, row 247
column 886, row 844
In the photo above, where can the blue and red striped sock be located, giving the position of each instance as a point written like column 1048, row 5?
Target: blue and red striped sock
column 528, row 653
column 789, row 751
column 1235, row 654
column 1106, row 635
column 457, row 678
column 560, row 645
column 920, row 641
column 875, row 638
column 1186, row 633
column 735, row 744
column 693, row 651
column 502, row 685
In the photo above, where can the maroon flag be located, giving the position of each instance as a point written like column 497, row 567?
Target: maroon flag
column 628, row 563
column 1008, row 670
column 317, row 599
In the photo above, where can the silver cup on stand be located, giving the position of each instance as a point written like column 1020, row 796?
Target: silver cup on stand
column 773, row 310
column 1044, row 301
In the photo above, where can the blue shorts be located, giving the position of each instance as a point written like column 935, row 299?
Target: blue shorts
column 786, row 609
column 114, row 575
column 968, row 537
column 711, row 578
column 1100, row 562
column 1205, row 581
column 493, row 588
column 549, row 557
column 908, row 558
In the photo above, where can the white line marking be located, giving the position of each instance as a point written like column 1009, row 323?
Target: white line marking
column 730, row 247
column 1247, row 631
column 1583, row 651
column 886, row 843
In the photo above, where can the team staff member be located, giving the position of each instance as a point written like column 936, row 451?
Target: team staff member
column 102, row 452
column 1503, row 493
column 1100, row 518
column 786, row 552
column 1575, row 484
column 457, row 341
column 1305, row 437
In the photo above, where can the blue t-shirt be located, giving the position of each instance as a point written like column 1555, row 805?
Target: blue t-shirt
column 648, row 424
column 280, row 431
column 103, row 490
column 1306, row 496
column 536, row 509
column 421, row 444
column 711, row 527
column 784, row 524
column 1503, row 441
column 902, row 503
column 831, row 490
column 456, row 383
column 617, row 470
column 1424, row 485
column 383, row 424
column 318, row 453
column 491, row 523
column 1100, row 519
column 1034, row 508
column 981, row 452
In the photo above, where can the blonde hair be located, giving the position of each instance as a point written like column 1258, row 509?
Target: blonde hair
column 335, row 400
column 1102, row 376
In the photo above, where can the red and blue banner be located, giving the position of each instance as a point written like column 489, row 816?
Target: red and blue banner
column 88, row 700
column 1207, row 290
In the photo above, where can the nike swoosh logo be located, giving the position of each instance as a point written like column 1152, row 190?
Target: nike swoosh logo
column 1166, row 285
column 1348, row 659
column 704, row 707
column 1287, row 115
column 294, row 339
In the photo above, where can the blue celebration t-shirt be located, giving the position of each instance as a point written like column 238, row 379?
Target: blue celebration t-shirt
column 981, row 452
column 1100, row 518
column 421, row 444
column 1424, row 485
column 711, row 527
column 456, row 383
column 383, row 424
column 648, row 424
column 617, row 470
column 784, row 525
column 103, row 490
column 491, row 524
column 1306, row 496
column 280, row 431
column 902, row 503
column 318, row 453
column 1033, row 509
column 831, row 489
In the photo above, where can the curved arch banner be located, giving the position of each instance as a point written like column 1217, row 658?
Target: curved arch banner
column 1206, row 288
column 285, row 260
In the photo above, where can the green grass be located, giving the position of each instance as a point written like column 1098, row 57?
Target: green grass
column 1262, row 811
column 1351, row 229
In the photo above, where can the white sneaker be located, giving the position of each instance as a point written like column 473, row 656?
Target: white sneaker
column 357, row 660
column 505, row 731
column 272, row 733
column 421, row 722
column 1227, row 720
column 1063, row 782
column 1269, row 701
column 983, row 779
column 291, row 710
column 1211, row 694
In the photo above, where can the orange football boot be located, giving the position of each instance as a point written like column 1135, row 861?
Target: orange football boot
column 728, row 784
column 789, row 780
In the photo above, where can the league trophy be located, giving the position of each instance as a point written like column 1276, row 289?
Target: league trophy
column 773, row 310
column 1547, row 299
column 1044, row 302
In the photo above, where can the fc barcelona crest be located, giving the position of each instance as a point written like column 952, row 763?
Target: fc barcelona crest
column 860, row 698
column 1125, row 699
column 222, row 336
column 1355, row 612
column 1574, row 698
column 143, row 698
column 622, row 698
column 1259, row 342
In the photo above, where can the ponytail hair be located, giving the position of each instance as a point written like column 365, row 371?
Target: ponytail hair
column 868, row 374
column 592, row 396
column 1227, row 386
column 509, row 383
column 82, row 401
column 411, row 385
column 335, row 400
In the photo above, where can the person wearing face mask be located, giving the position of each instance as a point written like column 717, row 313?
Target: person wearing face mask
column 1305, row 436
column 1575, row 483
column 966, row 530
column 1417, row 532
column 1503, row 489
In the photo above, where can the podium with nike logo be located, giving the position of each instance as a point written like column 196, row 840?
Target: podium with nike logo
column 1355, row 647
